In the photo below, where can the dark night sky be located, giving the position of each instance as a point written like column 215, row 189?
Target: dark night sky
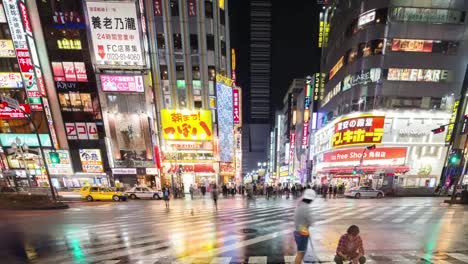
column 295, row 33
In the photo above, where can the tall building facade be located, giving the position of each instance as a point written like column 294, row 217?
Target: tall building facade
column 125, row 92
column 394, row 71
column 258, row 114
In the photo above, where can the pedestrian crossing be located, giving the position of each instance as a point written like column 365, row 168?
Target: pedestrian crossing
column 229, row 235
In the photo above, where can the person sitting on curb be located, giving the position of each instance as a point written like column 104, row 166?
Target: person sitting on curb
column 350, row 247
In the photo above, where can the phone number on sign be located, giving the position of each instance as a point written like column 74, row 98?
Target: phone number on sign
column 123, row 56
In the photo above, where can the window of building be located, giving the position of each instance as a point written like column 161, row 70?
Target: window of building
column 208, row 9
column 210, row 43
column 174, row 8
column 180, row 72
column 177, row 41
column 160, row 40
column 222, row 17
column 223, row 48
column 198, row 104
column 196, row 73
column 194, row 42
column 211, row 73
column 164, row 74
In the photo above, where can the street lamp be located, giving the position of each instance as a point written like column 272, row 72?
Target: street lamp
column 17, row 146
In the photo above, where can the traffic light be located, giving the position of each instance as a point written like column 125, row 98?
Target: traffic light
column 54, row 158
column 354, row 171
column 438, row 130
column 454, row 159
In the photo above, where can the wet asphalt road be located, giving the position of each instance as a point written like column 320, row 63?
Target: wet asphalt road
column 400, row 230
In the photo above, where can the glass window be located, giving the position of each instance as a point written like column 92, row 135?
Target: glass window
column 198, row 104
column 177, row 41
column 164, row 74
column 223, row 48
column 180, row 72
column 210, row 42
column 194, row 42
column 211, row 73
column 94, row 189
column 174, row 7
column 222, row 17
column 196, row 73
column 160, row 41
column 138, row 189
column 208, row 9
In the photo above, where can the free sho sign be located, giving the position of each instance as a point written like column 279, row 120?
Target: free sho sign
column 115, row 33
column 362, row 130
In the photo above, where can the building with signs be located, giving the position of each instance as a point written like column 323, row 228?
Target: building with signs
column 391, row 78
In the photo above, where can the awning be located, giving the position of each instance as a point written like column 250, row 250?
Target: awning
column 367, row 169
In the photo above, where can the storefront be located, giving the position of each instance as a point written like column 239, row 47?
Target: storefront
column 188, row 174
column 405, row 149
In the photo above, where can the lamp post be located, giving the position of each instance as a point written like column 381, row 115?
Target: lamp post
column 17, row 146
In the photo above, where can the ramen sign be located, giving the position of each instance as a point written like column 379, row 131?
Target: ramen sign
column 362, row 130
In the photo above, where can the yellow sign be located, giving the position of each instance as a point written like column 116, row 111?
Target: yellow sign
column 453, row 117
column 186, row 124
column 223, row 79
column 233, row 59
column 336, row 68
column 6, row 49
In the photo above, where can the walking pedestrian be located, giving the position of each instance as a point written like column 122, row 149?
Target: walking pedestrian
column 166, row 194
column 192, row 189
column 302, row 221
column 335, row 190
column 203, row 190
column 330, row 190
column 214, row 194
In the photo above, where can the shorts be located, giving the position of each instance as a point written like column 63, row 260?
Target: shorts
column 301, row 241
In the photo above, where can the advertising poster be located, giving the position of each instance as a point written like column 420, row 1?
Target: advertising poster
column 91, row 160
column 115, row 33
column 225, row 122
column 68, row 71
column 358, row 131
column 412, row 45
column 64, row 167
column 10, row 113
column 236, row 105
column 122, row 83
column 6, row 49
column 186, row 125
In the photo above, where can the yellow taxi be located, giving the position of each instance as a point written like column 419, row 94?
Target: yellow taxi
column 91, row 193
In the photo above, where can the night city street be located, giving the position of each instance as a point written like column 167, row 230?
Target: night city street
column 394, row 230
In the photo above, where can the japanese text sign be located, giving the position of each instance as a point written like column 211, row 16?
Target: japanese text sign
column 91, row 160
column 377, row 156
column 10, row 113
column 362, row 130
column 292, row 142
column 115, row 33
column 236, row 105
column 10, row 80
column 6, row 49
column 69, row 71
column 453, row 117
column 122, row 83
column 186, row 125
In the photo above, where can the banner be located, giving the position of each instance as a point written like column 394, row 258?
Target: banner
column 10, row 113
column 363, row 130
column 186, row 125
column 380, row 155
column 236, row 105
column 115, row 33
column 10, row 80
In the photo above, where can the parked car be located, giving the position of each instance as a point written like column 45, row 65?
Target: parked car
column 364, row 191
column 144, row 192
column 460, row 188
column 91, row 193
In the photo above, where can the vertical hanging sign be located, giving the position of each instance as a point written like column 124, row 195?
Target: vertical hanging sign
column 236, row 105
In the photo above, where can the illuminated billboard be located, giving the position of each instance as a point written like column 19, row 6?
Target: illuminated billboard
column 115, row 33
column 365, row 129
column 91, row 160
column 122, row 83
column 63, row 166
column 224, row 105
column 418, row 75
column 186, row 125
column 412, row 45
column 336, row 68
